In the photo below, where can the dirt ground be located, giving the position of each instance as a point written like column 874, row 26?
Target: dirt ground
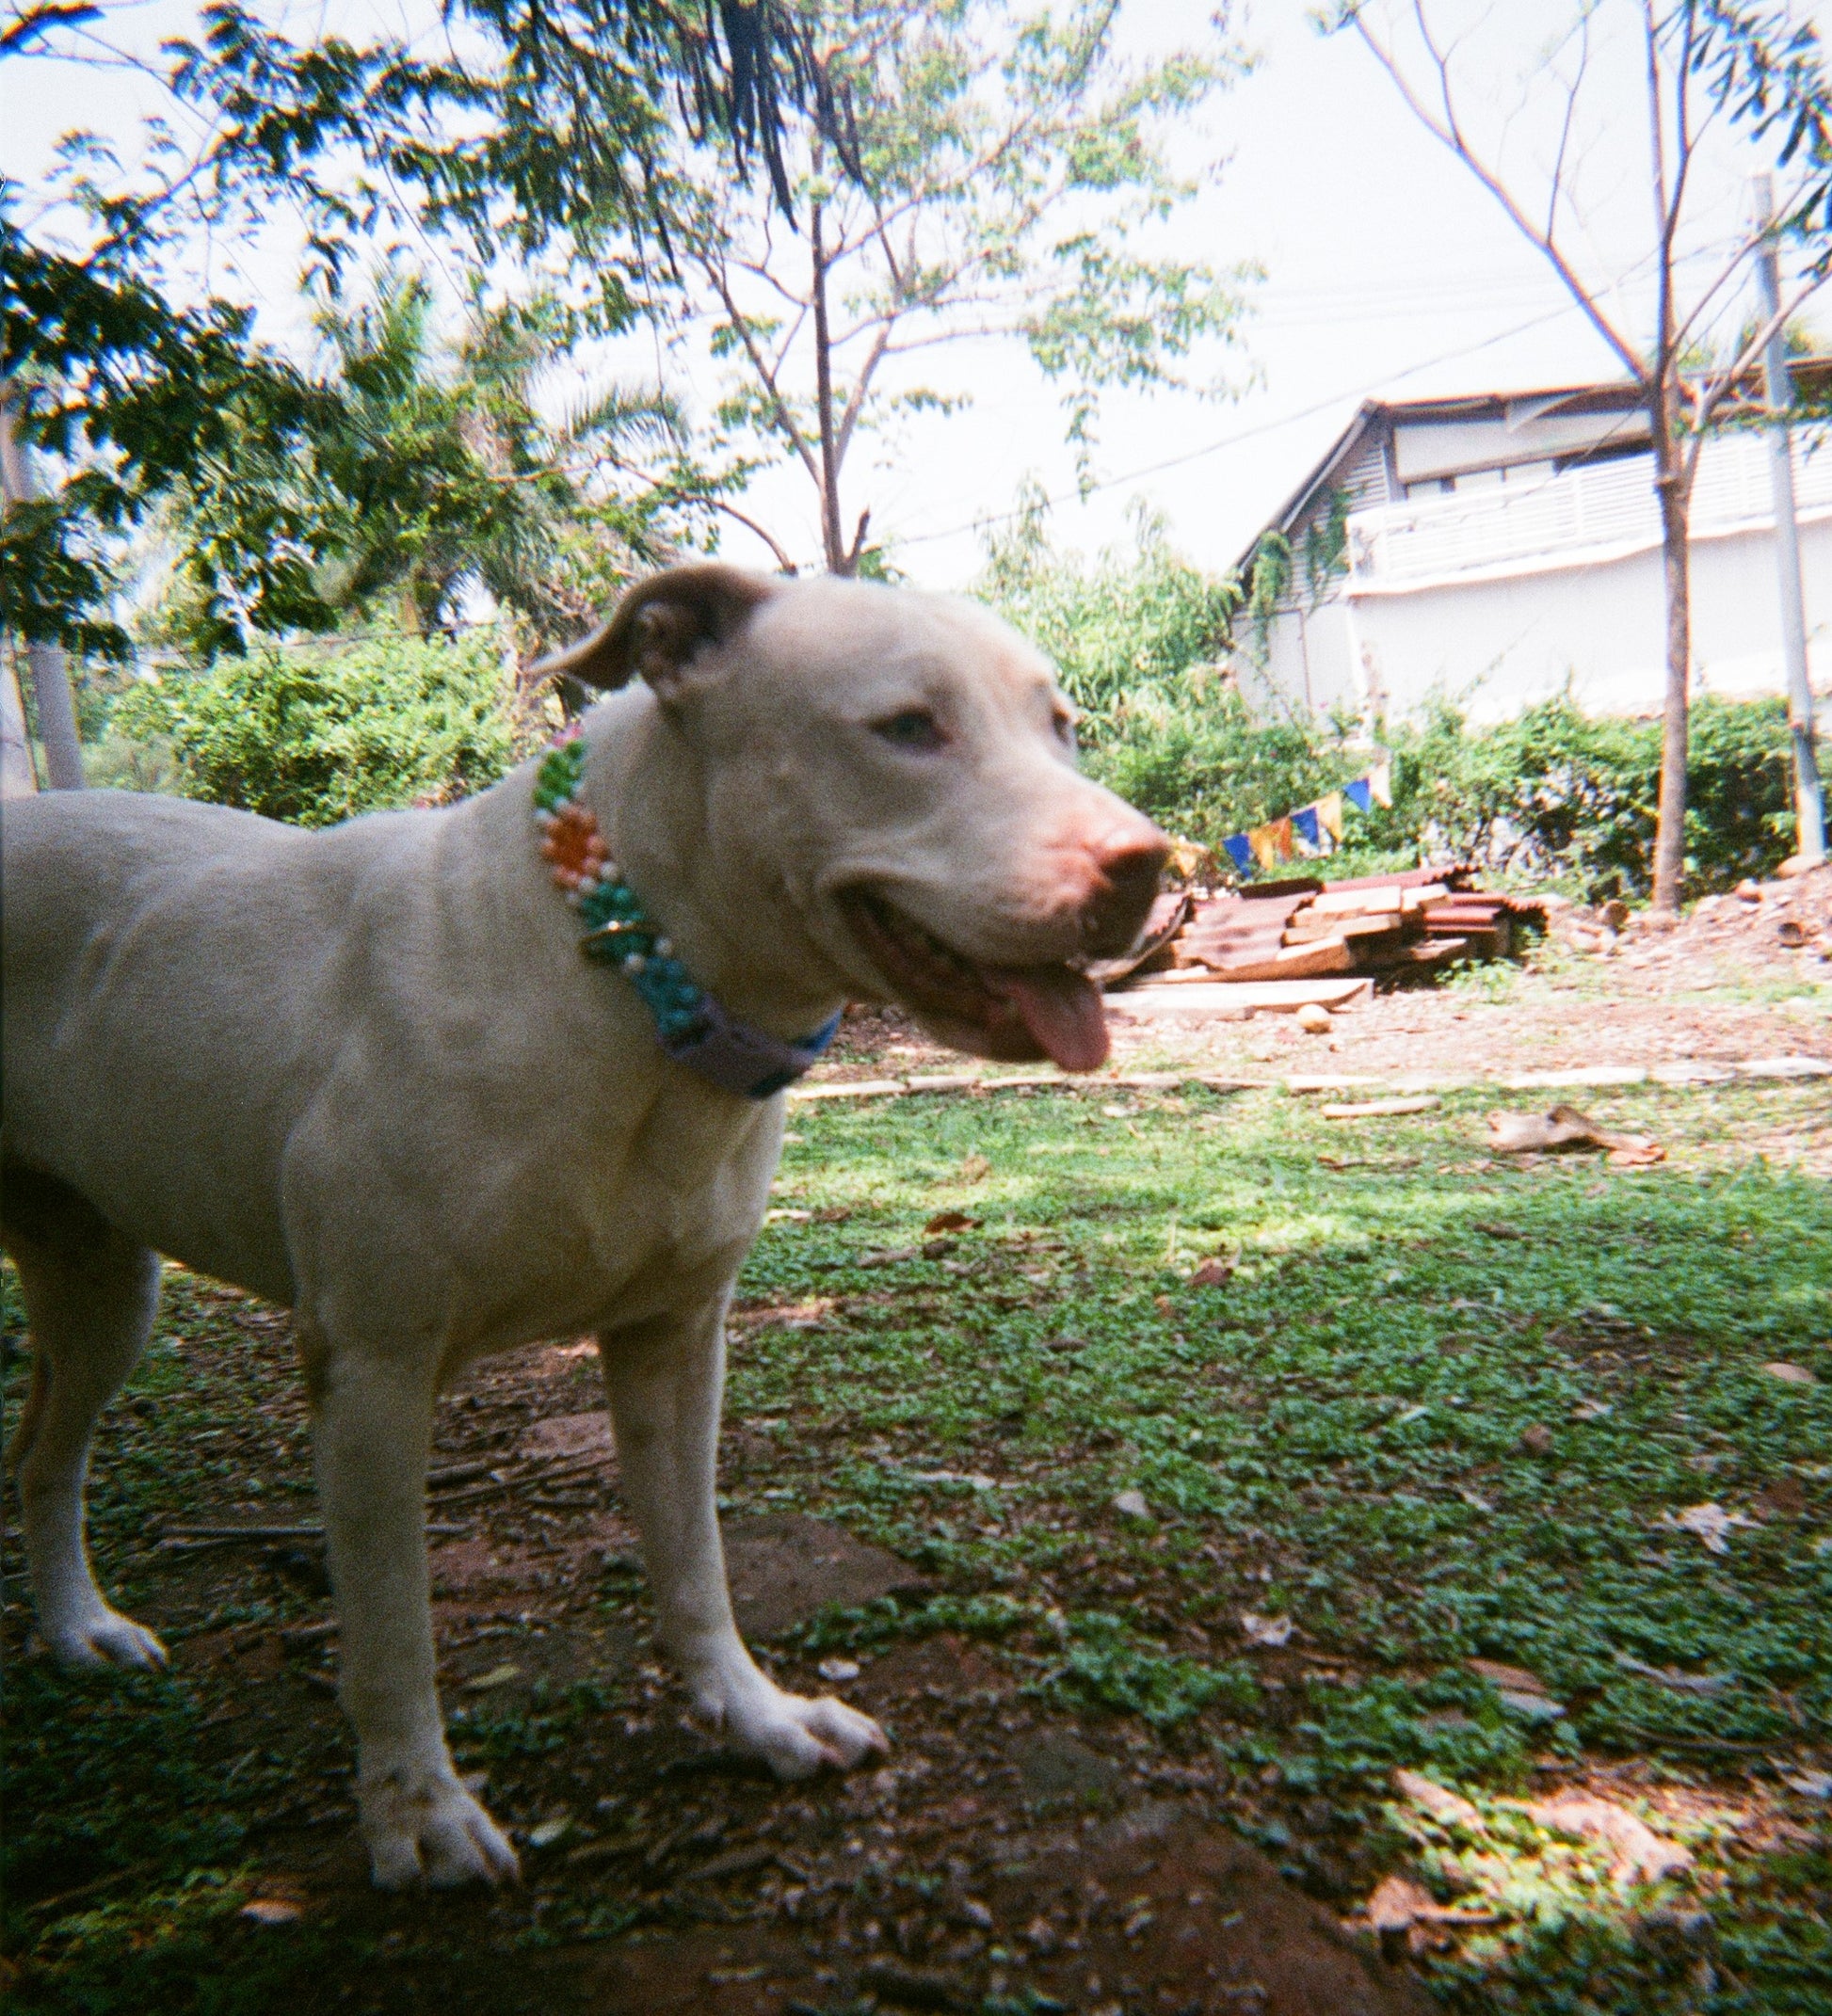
column 1005, row 1857
column 1739, row 978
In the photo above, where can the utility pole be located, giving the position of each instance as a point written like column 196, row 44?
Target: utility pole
column 1809, row 805
column 51, row 689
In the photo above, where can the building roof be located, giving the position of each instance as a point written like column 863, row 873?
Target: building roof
column 1812, row 378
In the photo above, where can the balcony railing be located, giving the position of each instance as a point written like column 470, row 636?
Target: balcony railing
column 1591, row 512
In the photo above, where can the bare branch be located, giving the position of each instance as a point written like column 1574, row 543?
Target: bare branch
column 862, row 385
column 1448, row 131
column 785, row 419
column 1565, row 128
column 750, row 524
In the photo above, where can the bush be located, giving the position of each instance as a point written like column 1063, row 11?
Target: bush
column 1553, row 794
column 315, row 735
column 1207, row 769
column 1556, row 792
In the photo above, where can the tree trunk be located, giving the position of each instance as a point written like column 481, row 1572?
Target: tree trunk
column 1676, row 556
column 832, row 542
column 51, row 694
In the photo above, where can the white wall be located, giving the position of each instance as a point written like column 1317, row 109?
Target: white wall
column 1495, row 646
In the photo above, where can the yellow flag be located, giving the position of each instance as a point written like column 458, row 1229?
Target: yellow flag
column 1329, row 814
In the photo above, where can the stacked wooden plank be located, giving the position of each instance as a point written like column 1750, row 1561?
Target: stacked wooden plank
column 1303, row 929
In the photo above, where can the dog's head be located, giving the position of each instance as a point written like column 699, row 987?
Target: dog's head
column 900, row 767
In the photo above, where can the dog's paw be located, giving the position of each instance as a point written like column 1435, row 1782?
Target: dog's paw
column 427, row 1829
column 796, row 1737
column 101, row 1637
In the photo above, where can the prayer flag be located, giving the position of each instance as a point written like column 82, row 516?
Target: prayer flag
column 1239, row 850
column 1272, row 843
column 1329, row 809
column 1380, row 782
column 1306, row 826
column 1358, row 795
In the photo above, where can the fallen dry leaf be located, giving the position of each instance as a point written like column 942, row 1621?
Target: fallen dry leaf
column 1397, row 1904
column 1538, row 1438
column 1789, row 1375
column 1273, row 1631
column 1515, row 1678
column 1637, row 1853
column 1710, row 1522
column 1211, row 1273
column 1565, row 1127
column 974, row 1168
column 951, row 1222
column 270, row 1911
column 1439, row 1801
column 1400, row 1907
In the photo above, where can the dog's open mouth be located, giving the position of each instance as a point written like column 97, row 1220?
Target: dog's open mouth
column 1016, row 1014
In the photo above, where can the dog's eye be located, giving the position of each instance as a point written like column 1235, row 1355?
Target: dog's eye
column 916, row 728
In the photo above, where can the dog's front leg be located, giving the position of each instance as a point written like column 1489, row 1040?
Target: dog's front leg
column 373, row 1429
column 665, row 1380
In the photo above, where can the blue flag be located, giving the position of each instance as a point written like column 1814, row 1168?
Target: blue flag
column 1305, row 825
column 1240, row 851
column 1359, row 794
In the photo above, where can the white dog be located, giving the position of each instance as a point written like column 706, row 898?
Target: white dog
column 367, row 1074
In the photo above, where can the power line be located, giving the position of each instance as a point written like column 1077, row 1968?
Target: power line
column 1245, row 434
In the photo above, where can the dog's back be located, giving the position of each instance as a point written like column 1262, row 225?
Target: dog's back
column 148, row 942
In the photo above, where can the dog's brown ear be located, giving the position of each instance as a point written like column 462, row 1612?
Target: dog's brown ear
column 662, row 625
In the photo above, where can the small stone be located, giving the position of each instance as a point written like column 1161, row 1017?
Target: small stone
column 550, row 1832
column 1131, row 1504
column 836, row 1669
column 1315, row 1019
column 1789, row 1375
column 1536, row 1439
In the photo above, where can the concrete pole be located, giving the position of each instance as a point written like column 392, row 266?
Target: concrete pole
column 50, row 688
column 1809, row 805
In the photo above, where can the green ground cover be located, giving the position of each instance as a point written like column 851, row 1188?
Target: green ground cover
column 1441, row 1408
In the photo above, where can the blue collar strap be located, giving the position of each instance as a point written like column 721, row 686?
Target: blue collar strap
column 693, row 1029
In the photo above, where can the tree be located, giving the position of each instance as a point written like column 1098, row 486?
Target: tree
column 1129, row 628
column 418, row 471
column 1700, row 61
column 1005, row 169
column 540, row 142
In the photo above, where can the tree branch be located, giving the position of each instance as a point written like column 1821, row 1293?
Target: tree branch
column 1448, row 133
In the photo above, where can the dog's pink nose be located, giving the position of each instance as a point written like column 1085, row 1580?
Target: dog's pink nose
column 1127, row 863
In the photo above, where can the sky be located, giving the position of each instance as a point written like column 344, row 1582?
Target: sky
column 1388, row 274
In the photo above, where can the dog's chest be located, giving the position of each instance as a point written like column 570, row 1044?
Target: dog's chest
column 618, row 1223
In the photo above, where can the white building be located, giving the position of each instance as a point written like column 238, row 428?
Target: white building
column 1496, row 549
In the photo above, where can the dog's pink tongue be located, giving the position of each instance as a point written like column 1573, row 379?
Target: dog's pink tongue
column 1062, row 1010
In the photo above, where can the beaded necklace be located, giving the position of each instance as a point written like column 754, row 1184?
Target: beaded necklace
column 692, row 1027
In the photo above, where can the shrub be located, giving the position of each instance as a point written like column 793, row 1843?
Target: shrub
column 315, row 735
column 1207, row 768
column 1556, row 792
column 1552, row 794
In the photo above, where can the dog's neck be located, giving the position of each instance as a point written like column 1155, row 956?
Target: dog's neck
column 732, row 920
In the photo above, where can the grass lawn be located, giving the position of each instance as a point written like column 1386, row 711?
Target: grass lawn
column 1441, row 1409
